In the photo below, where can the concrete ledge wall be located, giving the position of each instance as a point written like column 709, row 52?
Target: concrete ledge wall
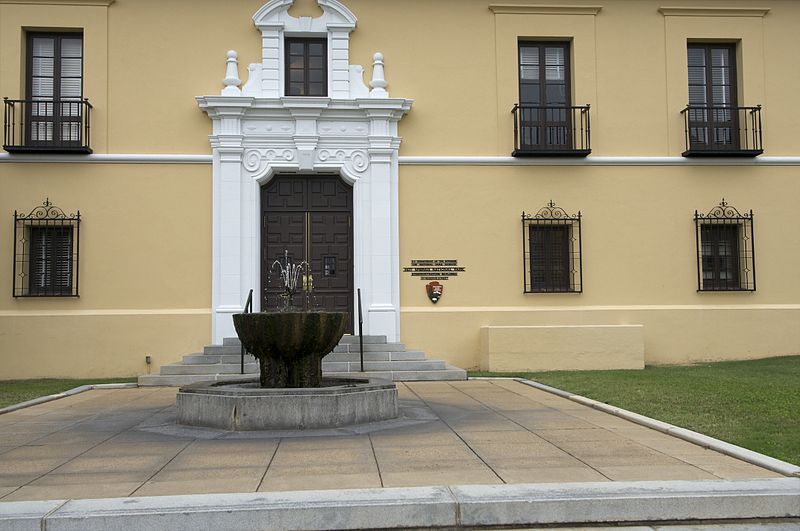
column 545, row 348
column 675, row 334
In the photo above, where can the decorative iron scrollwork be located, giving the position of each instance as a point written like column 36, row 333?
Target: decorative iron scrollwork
column 724, row 211
column 551, row 211
column 47, row 211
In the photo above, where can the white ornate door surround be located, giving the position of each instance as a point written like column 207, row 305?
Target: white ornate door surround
column 259, row 132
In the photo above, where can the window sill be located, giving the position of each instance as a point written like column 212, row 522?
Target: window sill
column 744, row 153
column 577, row 153
column 77, row 150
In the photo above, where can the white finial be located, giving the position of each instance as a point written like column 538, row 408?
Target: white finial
column 378, row 82
column 232, row 80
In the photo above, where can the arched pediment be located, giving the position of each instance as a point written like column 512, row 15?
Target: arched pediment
column 275, row 14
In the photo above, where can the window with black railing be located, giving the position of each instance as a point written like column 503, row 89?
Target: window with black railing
column 551, row 242
column 725, row 250
column 545, row 121
column 46, row 252
column 714, row 123
column 54, row 117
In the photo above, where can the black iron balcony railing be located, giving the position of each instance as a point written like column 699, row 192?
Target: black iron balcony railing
column 46, row 126
column 541, row 130
column 722, row 131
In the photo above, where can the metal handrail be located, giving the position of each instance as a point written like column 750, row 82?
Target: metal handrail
column 248, row 308
column 701, row 124
column 360, row 324
column 27, row 123
column 551, row 129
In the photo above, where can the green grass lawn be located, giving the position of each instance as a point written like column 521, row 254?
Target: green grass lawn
column 16, row 391
column 754, row 404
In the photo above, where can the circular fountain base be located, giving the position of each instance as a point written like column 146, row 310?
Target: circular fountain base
column 244, row 406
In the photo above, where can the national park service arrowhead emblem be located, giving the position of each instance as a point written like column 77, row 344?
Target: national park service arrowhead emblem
column 435, row 291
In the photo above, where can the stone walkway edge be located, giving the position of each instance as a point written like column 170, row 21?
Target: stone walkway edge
column 468, row 506
column 69, row 392
column 748, row 456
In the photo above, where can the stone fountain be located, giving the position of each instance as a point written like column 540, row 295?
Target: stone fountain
column 291, row 392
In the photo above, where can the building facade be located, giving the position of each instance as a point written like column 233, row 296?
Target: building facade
column 509, row 185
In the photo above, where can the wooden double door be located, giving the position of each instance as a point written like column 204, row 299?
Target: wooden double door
column 311, row 218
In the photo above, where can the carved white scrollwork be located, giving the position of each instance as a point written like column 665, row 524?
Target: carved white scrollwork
column 356, row 160
column 255, row 160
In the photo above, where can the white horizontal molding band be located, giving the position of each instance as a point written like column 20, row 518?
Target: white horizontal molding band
column 437, row 160
column 616, row 308
column 101, row 312
column 109, row 158
column 596, row 161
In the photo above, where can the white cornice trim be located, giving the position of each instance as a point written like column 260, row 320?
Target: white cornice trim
column 614, row 308
column 596, row 161
column 109, row 158
column 713, row 11
column 543, row 9
column 101, row 3
column 106, row 312
column 157, row 158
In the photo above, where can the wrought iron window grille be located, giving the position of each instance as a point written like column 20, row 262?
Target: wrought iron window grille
column 725, row 249
column 551, row 243
column 46, row 252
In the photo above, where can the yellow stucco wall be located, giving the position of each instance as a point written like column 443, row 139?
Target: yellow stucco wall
column 146, row 60
column 145, row 269
column 146, row 236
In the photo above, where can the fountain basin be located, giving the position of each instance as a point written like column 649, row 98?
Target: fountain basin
column 244, row 406
column 290, row 345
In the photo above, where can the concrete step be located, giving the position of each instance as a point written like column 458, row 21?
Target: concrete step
column 222, row 349
column 231, row 342
column 210, row 368
column 348, row 339
column 370, row 347
column 411, row 355
column 449, row 373
column 203, row 359
column 174, row 380
column 348, row 366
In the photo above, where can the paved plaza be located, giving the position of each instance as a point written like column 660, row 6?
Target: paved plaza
column 124, row 442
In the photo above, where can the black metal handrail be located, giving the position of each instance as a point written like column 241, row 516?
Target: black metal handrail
column 722, row 130
column 47, row 126
column 360, row 336
column 248, row 308
column 548, row 130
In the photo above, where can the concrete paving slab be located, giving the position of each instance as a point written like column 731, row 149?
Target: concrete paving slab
column 665, row 472
column 559, row 474
column 444, row 476
column 320, row 481
column 458, row 432
column 82, row 491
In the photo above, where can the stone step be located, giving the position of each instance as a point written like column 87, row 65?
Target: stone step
column 231, row 342
column 222, row 349
column 202, row 359
column 450, row 373
column 410, row 355
column 349, row 366
column 174, row 380
column 209, row 368
column 370, row 347
column 349, row 339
